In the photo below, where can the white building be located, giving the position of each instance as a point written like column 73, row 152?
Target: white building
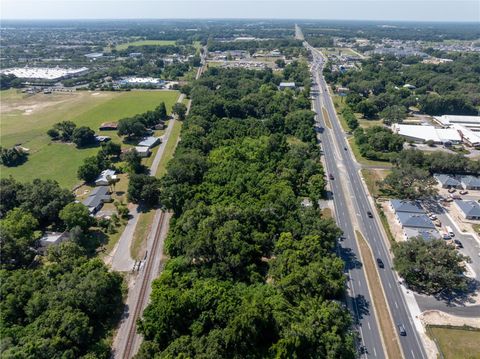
column 105, row 176
column 143, row 151
column 45, row 73
column 420, row 133
column 470, row 122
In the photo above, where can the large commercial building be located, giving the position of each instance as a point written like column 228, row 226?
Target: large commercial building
column 453, row 130
column 45, row 73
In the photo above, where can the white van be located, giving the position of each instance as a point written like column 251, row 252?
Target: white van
column 450, row 231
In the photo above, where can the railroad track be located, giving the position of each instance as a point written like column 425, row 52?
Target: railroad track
column 130, row 340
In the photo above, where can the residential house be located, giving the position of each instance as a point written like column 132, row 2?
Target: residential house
column 469, row 209
column 470, row 182
column 52, row 238
column 149, row 142
column 104, row 178
column 399, row 205
column 99, row 195
column 414, row 220
column 447, row 181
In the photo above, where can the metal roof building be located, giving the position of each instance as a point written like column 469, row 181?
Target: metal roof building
column 414, row 220
column 469, row 209
column 399, row 205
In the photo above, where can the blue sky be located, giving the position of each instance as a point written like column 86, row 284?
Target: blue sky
column 420, row 10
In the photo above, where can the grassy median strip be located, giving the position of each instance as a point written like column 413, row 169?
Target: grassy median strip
column 388, row 332
column 326, row 118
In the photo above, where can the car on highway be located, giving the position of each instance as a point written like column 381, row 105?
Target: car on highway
column 401, row 330
column 330, row 176
column 345, row 149
column 369, row 214
column 380, row 263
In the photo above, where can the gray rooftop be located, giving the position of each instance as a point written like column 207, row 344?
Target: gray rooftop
column 415, row 220
column 471, row 181
column 149, row 141
column 447, row 180
column 469, row 208
column 406, row 206
column 426, row 234
column 97, row 196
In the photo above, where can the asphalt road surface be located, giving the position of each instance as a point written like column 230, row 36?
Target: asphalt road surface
column 339, row 158
column 358, row 296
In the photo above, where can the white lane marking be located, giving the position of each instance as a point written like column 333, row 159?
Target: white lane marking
column 369, row 328
column 374, row 352
column 389, row 285
column 396, row 305
column 359, row 284
column 413, row 355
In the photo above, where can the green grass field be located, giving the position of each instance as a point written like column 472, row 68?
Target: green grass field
column 25, row 120
column 145, row 43
column 456, row 343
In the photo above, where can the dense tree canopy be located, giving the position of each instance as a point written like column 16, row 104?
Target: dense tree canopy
column 431, row 266
column 253, row 273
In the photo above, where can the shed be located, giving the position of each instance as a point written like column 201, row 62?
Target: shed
column 284, row 85
column 143, row 151
column 108, row 126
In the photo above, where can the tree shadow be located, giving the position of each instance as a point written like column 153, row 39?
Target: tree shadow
column 350, row 259
column 361, row 307
column 459, row 298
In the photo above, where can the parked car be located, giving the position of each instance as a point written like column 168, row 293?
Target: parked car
column 401, row 330
column 437, row 223
column 369, row 214
column 451, row 190
column 463, row 192
column 432, row 216
column 380, row 263
column 458, row 244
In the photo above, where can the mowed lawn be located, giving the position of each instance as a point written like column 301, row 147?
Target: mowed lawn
column 26, row 119
column 457, row 343
column 145, row 43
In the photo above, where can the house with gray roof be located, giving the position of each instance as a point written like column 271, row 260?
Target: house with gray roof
column 426, row 234
column 399, row 205
column 414, row 220
column 470, row 182
column 97, row 198
column 469, row 209
column 447, row 181
column 149, row 142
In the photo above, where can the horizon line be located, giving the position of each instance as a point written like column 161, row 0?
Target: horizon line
column 238, row 18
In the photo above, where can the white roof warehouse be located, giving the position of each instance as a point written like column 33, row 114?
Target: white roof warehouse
column 45, row 73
